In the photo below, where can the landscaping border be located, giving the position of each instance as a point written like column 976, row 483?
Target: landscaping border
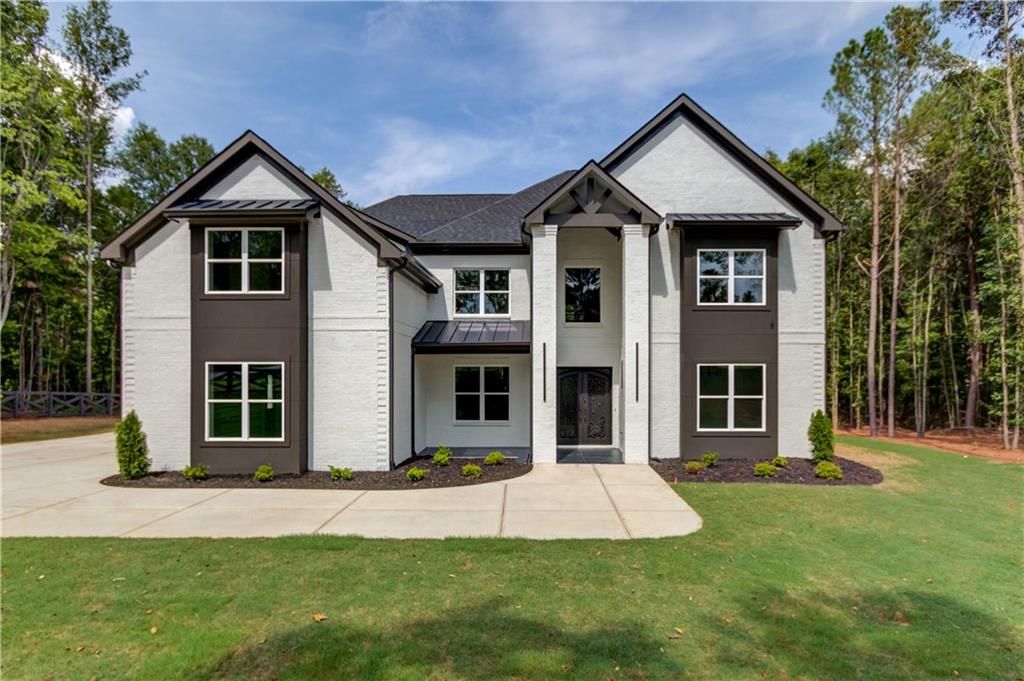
column 796, row 472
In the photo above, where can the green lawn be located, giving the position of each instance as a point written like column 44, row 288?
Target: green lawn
column 921, row 577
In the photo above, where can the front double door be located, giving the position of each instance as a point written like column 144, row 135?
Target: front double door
column 585, row 406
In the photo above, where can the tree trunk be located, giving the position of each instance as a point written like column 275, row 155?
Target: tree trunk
column 1016, row 172
column 88, row 270
column 974, row 354
column 925, row 355
column 873, row 310
column 1004, row 375
column 955, row 380
column 894, row 304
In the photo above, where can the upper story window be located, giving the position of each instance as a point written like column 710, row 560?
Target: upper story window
column 245, row 260
column 730, row 276
column 583, row 294
column 481, row 292
column 245, row 401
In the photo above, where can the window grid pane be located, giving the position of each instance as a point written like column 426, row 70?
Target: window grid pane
column 245, row 401
column 245, row 260
column 482, row 292
column 731, row 276
column 739, row 406
column 482, row 393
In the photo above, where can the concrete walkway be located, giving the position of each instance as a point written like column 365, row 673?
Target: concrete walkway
column 51, row 489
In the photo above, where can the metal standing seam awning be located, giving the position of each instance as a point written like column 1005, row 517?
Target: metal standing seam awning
column 472, row 336
column 764, row 220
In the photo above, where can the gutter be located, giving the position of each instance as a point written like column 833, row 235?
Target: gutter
column 391, row 359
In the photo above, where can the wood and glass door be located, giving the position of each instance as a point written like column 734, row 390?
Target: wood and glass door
column 585, row 406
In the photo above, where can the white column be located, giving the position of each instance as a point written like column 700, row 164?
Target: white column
column 636, row 344
column 544, row 321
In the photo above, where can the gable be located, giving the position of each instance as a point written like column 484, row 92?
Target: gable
column 255, row 178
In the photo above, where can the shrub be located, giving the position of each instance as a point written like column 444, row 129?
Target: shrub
column 471, row 470
column 694, row 467
column 132, row 459
column 827, row 470
column 709, row 459
column 415, row 474
column 442, row 456
column 780, row 462
column 264, row 473
column 494, row 459
column 764, row 470
column 820, row 434
column 340, row 473
column 197, row 472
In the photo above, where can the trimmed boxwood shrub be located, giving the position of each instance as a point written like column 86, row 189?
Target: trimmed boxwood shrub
column 415, row 474
column 764, row 470
column 780, row 462
column 132, row 450
column 709, row 459
column 695, row 467
column 820, row 434
column 264, row 473
column 828, row 470
column 494, row 459
column 197, row 472
column 442, row 456
column 471, row 470
column 340, row 473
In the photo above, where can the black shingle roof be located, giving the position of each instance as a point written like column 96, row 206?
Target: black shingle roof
column 464, row 218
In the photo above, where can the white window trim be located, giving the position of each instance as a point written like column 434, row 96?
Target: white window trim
column 730, row 397
column 244, row 261
column 731, row 278
column 245, row 401
column 481, row 395
column 600, row 294
column 481, row 291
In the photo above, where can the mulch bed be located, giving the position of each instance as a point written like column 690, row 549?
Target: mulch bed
column 798, row 472
column 437, row 476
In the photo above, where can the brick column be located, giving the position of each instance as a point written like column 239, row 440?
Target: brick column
column 544, row 320
column 636, row 344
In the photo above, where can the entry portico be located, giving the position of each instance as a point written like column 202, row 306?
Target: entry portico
column 590, row 266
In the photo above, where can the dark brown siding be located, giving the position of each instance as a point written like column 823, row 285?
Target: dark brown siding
column 252, row 328
column 728, row 335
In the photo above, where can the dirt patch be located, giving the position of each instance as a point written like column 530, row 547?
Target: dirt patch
column 798, row 472
column 887, row 462
column 983, row 443
column 35, row 428
column 437, row 476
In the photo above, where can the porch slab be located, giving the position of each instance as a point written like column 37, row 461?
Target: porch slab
column 553, row 501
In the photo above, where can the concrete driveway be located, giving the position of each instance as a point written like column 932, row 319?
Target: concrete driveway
column 51, row 488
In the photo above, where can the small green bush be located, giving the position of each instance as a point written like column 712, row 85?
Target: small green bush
column 442, row 456
column 471, row 470
column 780, row 462
column 415, row 474
column 819, row 433
column 694, row 467
column 197, row 472
column 494, row 459
column 340, row 473
column 828, row 470
column 132, row 451
column 709, row 459
column 764, row 470
column 264, row 473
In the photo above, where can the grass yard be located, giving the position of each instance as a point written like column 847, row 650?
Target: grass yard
column 920, row 577
column 49, row 428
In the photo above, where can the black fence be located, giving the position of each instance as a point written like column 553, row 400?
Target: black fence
column 44, row 403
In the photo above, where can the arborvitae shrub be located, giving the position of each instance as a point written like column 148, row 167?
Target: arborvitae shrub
column 820, row 435
column 132, row 451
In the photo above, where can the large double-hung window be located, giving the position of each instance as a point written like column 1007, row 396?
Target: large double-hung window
column 245, row 260
column 245, row 401
column 730, row 397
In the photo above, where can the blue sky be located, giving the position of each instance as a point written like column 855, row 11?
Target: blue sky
column 410, row 98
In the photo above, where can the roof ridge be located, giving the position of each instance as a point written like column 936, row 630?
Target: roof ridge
column 491, row 205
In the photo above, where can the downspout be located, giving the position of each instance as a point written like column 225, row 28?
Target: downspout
column 391, row 359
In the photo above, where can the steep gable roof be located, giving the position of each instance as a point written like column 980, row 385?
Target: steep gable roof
column 591, row 205
column 213, row 170
column 824, row 220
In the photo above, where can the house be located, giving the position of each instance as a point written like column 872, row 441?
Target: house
column 662, row 302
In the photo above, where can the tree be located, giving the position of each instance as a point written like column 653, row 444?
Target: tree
column 97, row 52
column 325, row 178
column 860, row 98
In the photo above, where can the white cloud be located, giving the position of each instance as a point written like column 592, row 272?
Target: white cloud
column 121, row 122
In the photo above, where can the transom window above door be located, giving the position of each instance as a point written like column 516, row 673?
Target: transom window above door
column 482, row 292
column 245, row 260
column 583, row 294
column 730, row 276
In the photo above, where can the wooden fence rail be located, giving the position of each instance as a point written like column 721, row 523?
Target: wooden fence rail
column 42, row 403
